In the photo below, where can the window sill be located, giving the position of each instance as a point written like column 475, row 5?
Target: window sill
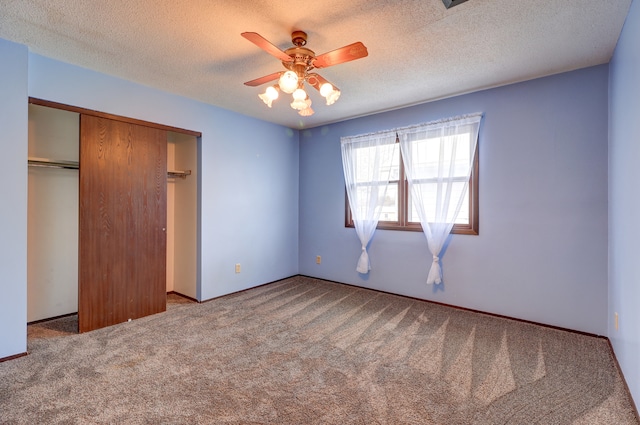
column 458, row 229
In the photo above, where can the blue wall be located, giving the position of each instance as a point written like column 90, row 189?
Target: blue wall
column 13, row 207
column 249, row 172
column 624, row 199
column 542, row 250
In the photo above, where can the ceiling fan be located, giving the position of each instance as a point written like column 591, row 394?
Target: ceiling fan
column 299, row 61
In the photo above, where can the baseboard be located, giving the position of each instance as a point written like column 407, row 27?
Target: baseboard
column 183, row 296
column 500, row 316
column 254, row 287
column 15, row 356
column 35, row 322
column 51, row 318
column 624, row 381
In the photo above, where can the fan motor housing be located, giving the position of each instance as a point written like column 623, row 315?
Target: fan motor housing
column 299, row 38
column 299, row 56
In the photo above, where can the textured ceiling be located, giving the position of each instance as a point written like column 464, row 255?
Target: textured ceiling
column 418, row 50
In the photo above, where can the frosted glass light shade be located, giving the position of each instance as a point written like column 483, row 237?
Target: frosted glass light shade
column 269, row 95
column 288, row 82
column 299, row 94
column 272, row 92
column 299, row 104
column 266, row 99
column 306, row 111
column 332, row 97
column 326, row 89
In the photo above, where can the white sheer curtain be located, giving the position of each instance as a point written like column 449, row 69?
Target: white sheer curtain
column 367, row 161
column 438, row 158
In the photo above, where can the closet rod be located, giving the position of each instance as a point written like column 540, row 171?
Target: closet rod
column 73, row 165
column 42, row 162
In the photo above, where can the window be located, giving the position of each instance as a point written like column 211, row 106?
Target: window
column 398, row 212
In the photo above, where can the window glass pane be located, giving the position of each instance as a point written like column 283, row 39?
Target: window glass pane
column 426, row 155
column 429, row 194
column 366, row 162
column 387, row 202
column 390, row 204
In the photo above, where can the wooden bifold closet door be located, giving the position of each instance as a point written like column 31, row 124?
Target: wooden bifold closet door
column 123, row 216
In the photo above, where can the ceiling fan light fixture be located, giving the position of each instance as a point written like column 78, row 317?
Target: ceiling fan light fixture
column 326, row 89
column 288, row 82
column 298, row 105
column 266, row 99
column 298, row 61
column 333, row 96
column 306, row 112
column 272, row 92
column 299, row 94
column 299, row 102
column 269, row 95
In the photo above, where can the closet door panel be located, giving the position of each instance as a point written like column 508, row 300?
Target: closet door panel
column 122, row 243
column 148, row 216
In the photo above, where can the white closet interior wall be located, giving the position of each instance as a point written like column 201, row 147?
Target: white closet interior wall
column 52, row 232
column 182, row 216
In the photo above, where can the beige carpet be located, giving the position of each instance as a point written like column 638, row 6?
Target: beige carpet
column 306, row 351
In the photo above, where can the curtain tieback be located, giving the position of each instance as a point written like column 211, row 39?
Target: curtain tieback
column 364, row 248
column 436, row 259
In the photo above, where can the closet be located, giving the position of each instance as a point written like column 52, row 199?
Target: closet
column 109, row 239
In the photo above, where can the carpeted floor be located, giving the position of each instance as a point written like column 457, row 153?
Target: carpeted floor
column 307, row 351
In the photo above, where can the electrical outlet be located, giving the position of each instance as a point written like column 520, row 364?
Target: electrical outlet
column 318, row 259
column 615, row 320
column 238, row 268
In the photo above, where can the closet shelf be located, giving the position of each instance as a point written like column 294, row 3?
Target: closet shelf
column 179, row 174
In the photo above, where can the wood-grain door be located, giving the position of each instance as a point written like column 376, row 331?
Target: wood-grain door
column 123, row 216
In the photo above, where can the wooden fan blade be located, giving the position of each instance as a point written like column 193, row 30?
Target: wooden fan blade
column 262, row 80
column 265, row 45
column 316, row 81
column 344, row 54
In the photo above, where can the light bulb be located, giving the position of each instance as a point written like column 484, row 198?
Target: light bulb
column 326, row 89
column 299, row 94
column 272, row 92
column 288, row 82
